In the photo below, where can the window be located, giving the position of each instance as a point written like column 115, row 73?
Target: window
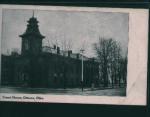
column 26, row 45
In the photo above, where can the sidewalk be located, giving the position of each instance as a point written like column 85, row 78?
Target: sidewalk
column 60, row 89
column 68, row 91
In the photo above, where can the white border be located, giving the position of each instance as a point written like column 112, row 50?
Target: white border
column 137, row 60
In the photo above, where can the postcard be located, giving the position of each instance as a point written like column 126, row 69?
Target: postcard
column 85, row 55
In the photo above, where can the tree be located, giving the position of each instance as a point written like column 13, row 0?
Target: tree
column 123, row 71
column 15, row 52
column 66, row 45
column 109, row 54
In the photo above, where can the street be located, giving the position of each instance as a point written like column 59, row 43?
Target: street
column 68, row 91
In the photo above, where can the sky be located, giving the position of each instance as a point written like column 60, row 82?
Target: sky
column 80, row 28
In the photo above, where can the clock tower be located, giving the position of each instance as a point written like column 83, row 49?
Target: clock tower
column 32, row 38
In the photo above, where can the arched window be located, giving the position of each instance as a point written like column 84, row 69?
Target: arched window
column 26, row 44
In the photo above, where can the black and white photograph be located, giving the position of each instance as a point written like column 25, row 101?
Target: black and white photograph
column 64, row 52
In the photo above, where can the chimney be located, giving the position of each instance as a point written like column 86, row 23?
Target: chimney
column 69, row 53
column 58, row 50
column 77, row 56
column 54, row 46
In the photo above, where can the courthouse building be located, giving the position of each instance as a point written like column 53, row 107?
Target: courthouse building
column 39, row 66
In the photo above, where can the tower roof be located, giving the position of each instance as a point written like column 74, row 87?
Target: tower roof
column 32, row 28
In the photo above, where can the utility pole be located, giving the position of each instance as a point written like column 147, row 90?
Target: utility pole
column 82, row 50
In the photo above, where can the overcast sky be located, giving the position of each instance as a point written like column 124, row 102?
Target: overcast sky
column 80, row 28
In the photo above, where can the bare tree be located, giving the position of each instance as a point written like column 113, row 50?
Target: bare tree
column 66, row 44
column 109, row 54
column 15, row 52
column 123, row 70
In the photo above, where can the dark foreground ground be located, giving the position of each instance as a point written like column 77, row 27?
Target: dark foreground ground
column 68, row 91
